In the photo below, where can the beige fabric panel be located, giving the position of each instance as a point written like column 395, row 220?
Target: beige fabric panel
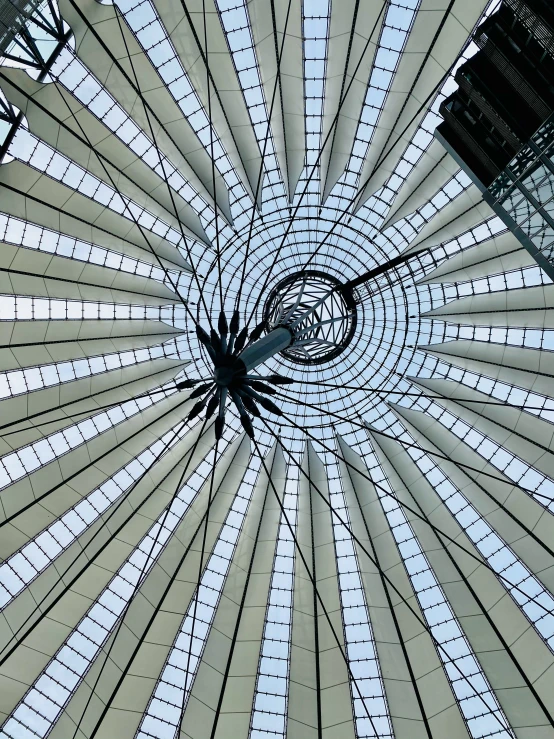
column 249, row 578
column 523, row 434
column 116, row 386
column 51, row 110
column 347, row 30
column 173, row 134
column 466, row 210
column 66, row 479
column 400, row 117
column 499, row 254
column 429, row 175
column 51, row 204
column 474, row 593
column 511, row 512
column 166, row 609
column 532, row 369
column 51, row 276
column 55, row 219
column 288, row 124
column 421, row 702
column 230, row 116
column 315, row 526
column 25, row 665
column 526, row 307
column 32, row 343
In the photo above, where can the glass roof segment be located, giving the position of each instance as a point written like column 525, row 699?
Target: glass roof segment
column 55, row 687
column 124, row 236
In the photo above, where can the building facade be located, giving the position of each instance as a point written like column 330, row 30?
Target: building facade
column 499, row 123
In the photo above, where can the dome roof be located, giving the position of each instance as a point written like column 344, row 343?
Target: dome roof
column 374, row 558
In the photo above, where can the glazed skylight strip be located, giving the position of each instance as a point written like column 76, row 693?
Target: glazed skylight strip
column 144, row 20
column 23, row 566
column 358, row 634
column 24, row 461
column 540, row 405
column 316, row 18
column 18, row 382
column 422, row 138
column 23, row 308
column 517, row 278
column 394, row 34
column 477, row 701
column 533, row 338
column 71, row 73
column 538, row 486
column 236, row 23
column 269, row 710
column 511, row 571
column 162, row 717
column 43, row 703
column 23, row 233
column 29, row 149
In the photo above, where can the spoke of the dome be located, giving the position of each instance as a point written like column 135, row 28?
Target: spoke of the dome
column 354, row 504
column 396, row 169
column 97, row 235
column 75, row 149
column 407, row 545
column 524, row 368
column 102, row 617
column 103, row 161
column 314, row 169
column 75, row 414
column 501, row 445
column 386, row 393
column 169, row 106
column 528, row 543
column 30, row 375
column 243, row 631
column 216, row 219
column 100, row 288
column 488, row 541
column 15, row 641
column 352, row 199
column 231, row 543
column 203, row 545
column 276, row 87
column 358, row 629
column 450, row 568
column 459, row 215
column 104, row 166
column 32, row 447
column 150, row 556
column 186, row 547
column 317, row 598
column 272, row 681
column 430, row 46
column 541, row 598
column 364, row 426
column 494, row 711
column 166, row 178
column 22, row 506
column 47, row 544
column 441, row 533
column 509, row 386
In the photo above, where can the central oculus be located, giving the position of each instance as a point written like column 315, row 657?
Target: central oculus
column 317, row 309
column 309, row 317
